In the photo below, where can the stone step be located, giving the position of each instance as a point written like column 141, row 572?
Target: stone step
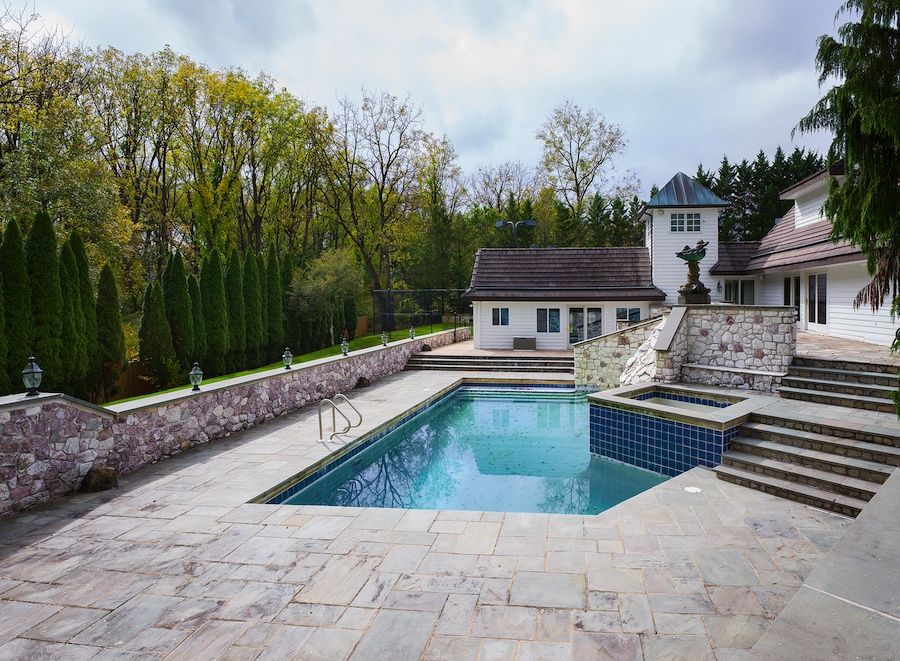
column 792, row 491
column 802, row 422
column 806, row 475
column 842, row 387
column 842, row 375
column 525, row 358
column 870, row 471
column 487, row 367
column 844, row 447
column 849, row 365
column 837, row 399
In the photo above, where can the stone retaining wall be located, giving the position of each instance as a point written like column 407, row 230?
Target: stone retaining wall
column 737, row 346
column 48, row 443
column 599, row 361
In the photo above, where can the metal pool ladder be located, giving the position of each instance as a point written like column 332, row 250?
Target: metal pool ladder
column 335, row 411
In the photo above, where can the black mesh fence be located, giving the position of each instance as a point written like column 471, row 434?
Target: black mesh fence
column 399, row 309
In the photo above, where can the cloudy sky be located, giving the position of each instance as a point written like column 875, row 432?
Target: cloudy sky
column 689, row 81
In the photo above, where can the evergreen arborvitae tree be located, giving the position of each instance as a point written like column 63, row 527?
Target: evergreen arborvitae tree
column 291, row 328
column 263, row 307
column 236, row 359
column 74, row 342
column 16, row 303
column 274, row 300
column 252, row 310
column 4, row 375
column 110, row 337
column 46, row 299
column 179, row 314
column 88, row 309
column 156, row 352
column 215, row 313
column 199, row 323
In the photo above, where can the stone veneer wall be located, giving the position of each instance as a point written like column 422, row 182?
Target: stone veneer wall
column 48, row 443
column 737, row 346
column 599, row 361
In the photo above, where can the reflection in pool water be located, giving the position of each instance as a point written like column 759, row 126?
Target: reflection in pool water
column 510, row 451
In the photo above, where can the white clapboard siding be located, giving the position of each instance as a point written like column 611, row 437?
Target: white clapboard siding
column 808, row 204
column 523, row 322
column 670, row 272
column 844, row 281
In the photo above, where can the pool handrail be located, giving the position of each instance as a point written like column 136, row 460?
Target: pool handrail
column 334, row 412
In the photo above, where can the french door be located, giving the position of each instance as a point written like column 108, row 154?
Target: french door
column 817, row 302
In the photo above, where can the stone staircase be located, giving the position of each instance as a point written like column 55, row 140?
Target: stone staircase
column 841, row 383
column 826, row 465
column 524, row 363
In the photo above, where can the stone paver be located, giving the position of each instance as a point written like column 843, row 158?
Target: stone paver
column 176, row 564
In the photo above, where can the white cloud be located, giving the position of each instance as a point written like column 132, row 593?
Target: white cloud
column 689, row 81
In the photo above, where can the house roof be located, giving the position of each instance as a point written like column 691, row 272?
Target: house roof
column 563, row 274
column 734, row 256
column 788, row 247
column 683, row 191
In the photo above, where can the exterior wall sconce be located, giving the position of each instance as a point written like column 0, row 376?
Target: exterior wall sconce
column 719, row 286
column 196, row 377
column 31, row 377
column 287, row 358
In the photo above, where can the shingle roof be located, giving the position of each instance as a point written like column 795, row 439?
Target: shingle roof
column 787, row 246
column 563, row 274
column 683, row 191
column 733, row 257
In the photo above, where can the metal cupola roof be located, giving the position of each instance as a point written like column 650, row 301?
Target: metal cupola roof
column 683, row 191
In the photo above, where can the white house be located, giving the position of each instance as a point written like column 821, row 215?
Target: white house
column 551, row 298
column 797, row 264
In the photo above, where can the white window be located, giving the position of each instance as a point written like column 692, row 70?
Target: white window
column 685, row 222
column 548, row 320
column 742, row 292
column 625, row 316
column 500, row 316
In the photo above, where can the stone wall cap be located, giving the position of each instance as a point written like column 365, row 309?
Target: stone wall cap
column 21, row 400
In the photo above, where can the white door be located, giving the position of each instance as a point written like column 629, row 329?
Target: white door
column 817, row 302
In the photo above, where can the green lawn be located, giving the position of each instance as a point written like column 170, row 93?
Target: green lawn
column 362, row 342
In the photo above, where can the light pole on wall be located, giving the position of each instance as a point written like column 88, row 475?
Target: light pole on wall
column 515, row 226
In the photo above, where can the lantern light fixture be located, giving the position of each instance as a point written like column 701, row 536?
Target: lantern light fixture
column 196, row 377
column 31, row 377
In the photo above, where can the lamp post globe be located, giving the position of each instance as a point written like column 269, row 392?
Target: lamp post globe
column 196, row 377
column 32, row 376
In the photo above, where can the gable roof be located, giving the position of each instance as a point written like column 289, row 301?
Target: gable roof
column 734, row 256
column 788, row 247
column 683, row 191
column 563, row 274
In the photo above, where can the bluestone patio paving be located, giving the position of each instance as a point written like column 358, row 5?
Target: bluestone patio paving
column 176, row 564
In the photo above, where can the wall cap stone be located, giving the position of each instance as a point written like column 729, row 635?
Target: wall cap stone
column 21, row 400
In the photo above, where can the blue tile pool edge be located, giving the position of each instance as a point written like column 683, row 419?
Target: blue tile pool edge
column 286, row 489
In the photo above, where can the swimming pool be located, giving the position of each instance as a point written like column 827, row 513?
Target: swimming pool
column 484, row 449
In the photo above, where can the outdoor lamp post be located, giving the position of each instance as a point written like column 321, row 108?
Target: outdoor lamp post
column 31, row 377
column 345, row 346
column 412, row 332
column 515, row 226
column 287, row 358
column 196, row 377
column 384, row 338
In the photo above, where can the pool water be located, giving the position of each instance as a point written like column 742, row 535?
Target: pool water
column 485, row 450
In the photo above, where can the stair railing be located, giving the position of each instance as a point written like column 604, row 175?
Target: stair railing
column 335, row 411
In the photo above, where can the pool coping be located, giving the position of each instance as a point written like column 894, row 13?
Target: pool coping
column 719, row 419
